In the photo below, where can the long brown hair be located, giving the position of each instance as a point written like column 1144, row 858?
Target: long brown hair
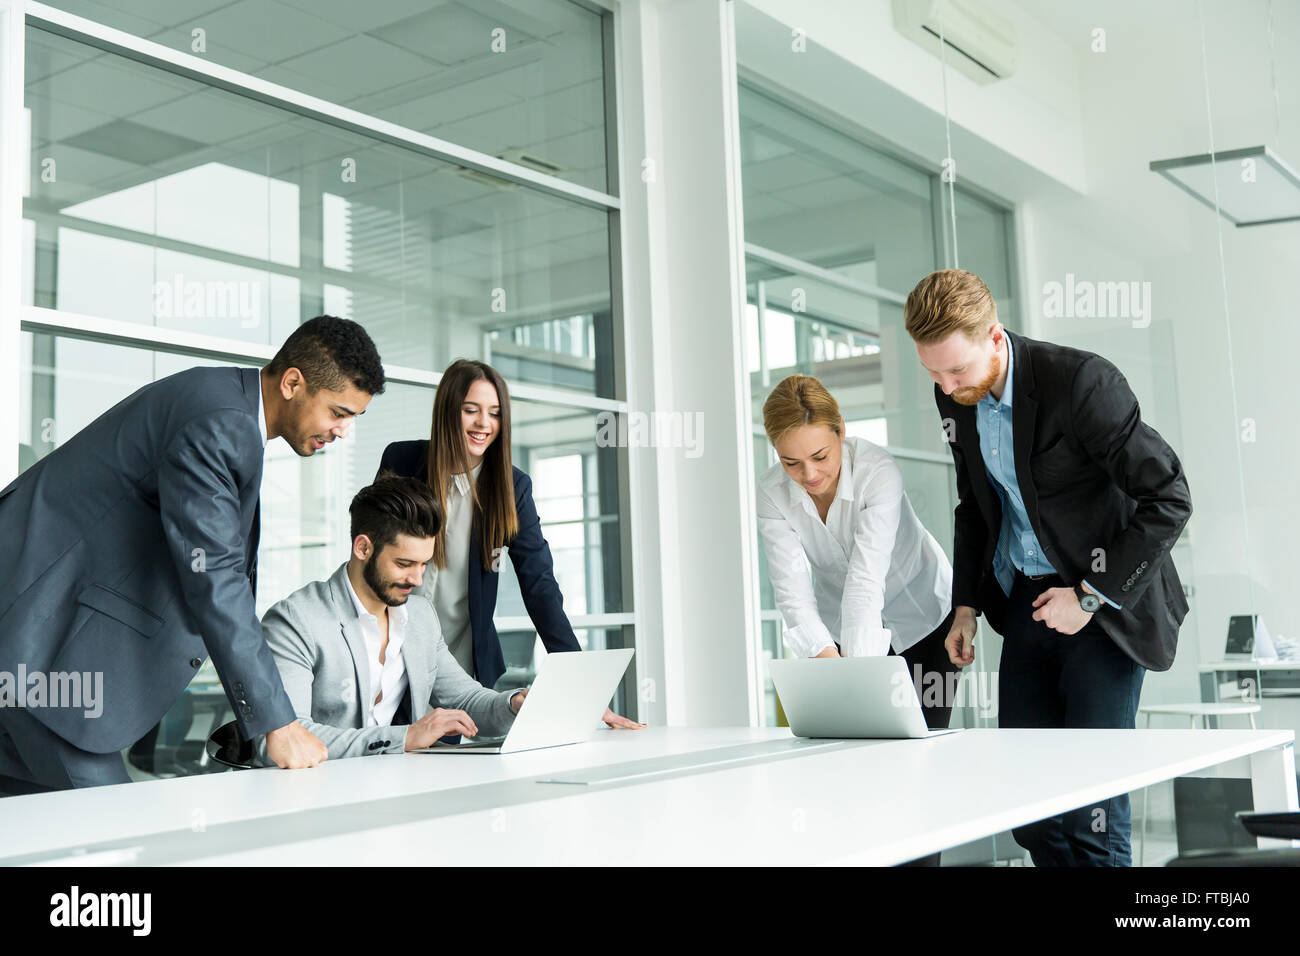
column 493, row 494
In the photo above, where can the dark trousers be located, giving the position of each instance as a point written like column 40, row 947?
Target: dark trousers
column 34, row 759
column 1050, row 679
column 928, row 663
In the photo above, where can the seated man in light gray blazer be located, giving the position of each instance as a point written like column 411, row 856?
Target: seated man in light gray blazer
column 361, row 658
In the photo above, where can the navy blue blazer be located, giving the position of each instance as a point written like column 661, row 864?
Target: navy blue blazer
column 131, row 550
column 530, row 555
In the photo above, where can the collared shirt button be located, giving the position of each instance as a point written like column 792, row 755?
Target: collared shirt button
column 196, row 662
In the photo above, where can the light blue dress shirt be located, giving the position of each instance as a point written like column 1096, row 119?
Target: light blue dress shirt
column 1018, row 546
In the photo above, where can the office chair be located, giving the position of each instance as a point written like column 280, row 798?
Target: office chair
column 1200, row 711
column 1280, row 826
column 229, row 749
column 167, row 750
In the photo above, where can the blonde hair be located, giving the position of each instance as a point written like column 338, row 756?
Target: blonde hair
column 948, row 301
column 799, row 400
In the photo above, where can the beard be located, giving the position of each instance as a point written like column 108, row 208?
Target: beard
column 974, row 394
column 383, row 588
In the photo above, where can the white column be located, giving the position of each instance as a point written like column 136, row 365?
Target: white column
column 12, row 164
column 694, row 564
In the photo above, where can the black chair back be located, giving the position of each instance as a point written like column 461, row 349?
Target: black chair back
column 229, row 749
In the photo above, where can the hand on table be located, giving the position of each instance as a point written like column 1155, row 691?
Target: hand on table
column 435, row 725
column 293, row 746
column 620, row 723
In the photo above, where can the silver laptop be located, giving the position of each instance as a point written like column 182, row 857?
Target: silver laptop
column 1248, row 639
column 850, row 697
column 563, row 706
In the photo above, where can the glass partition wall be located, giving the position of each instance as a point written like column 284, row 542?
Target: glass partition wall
column 444, row 180
column 837, row 232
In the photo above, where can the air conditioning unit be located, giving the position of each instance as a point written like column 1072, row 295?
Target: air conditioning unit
column 979, row 42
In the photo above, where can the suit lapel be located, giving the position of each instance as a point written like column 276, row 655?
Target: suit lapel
column 1024, row 415
column 254, row 536
column 249, row 380
column 415, row 655
column 968, row 438
column 475, row 569
column 350, row 628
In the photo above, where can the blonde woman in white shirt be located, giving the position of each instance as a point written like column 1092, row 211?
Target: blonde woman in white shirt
column 854, row 572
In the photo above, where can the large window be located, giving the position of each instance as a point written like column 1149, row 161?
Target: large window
column 837, row 231
column 437, row 172
column 519, row 79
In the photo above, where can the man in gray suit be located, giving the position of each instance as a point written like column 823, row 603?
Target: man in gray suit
column 364, row 662
column 132, row 554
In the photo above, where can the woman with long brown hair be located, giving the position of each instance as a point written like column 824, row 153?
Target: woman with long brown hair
column 489, row 507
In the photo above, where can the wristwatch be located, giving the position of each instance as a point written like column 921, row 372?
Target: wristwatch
column 1087, row 600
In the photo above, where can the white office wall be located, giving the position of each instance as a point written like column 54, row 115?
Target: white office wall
column 1144, row 99
column 1020, row 133
column 1068, row 138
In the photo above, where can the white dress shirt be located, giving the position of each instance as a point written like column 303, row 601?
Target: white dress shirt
column 388, row 678
column 448, row 588
column 869, row 577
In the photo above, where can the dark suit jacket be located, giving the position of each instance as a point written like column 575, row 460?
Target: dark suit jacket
column 132, row 551
column 530, row 555
column 1093, row 476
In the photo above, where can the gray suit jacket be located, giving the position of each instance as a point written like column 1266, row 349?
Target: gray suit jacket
column 315, row 635
column 131, row 550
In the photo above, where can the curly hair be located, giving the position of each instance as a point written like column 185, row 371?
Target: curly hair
column 331, row 352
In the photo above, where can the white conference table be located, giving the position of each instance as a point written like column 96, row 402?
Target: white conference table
column 656, row 796
column 1271, row 674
